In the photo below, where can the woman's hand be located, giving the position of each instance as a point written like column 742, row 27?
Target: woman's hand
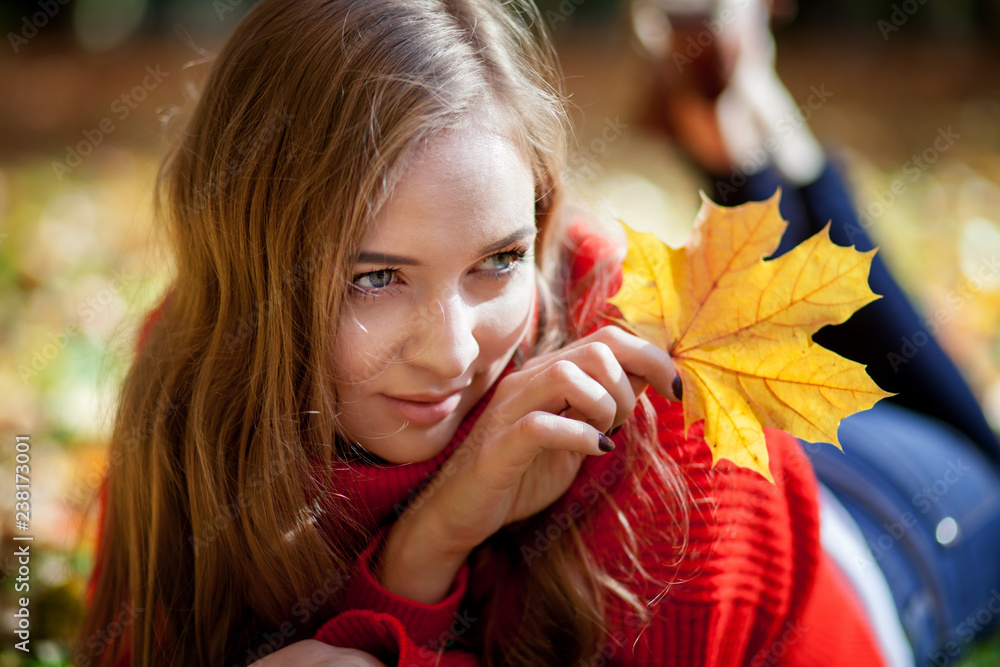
column 527, row 447
column 522, row 454
column 314, row 653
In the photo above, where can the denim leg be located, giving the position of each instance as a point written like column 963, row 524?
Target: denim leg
column 928, row 503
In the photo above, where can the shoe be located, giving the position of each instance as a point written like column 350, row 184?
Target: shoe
column 680, row 102
column 693, row 48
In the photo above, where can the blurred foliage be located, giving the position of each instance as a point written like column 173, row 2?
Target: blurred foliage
column 79, row 265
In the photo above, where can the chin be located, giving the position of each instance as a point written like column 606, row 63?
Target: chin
column 431, row 453
column 413, row 448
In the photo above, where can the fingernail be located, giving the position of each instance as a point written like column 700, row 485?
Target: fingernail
column 612, row 432
column 604, row 443
column 677, row 387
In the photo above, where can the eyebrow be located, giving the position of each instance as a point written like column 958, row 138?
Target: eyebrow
column 385, row 258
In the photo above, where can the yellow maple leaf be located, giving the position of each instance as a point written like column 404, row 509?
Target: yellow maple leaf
column 739, row 328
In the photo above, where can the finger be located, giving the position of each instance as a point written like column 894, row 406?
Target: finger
column 543, row 430
column 642, row 359
column 643, row 362
column 563, row 388
column 598, row 361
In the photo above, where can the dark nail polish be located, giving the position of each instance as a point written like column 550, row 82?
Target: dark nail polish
column 604, row 443
column 677, row 387
column 612, row 432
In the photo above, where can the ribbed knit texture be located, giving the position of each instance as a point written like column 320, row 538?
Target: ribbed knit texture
column 753, row 588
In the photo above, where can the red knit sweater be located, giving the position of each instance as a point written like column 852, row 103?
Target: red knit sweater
column 756, row 588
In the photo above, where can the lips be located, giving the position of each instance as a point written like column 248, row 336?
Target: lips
column 426, row 398
column 424, row 409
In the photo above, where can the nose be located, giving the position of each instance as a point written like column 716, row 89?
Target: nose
column 443, row 336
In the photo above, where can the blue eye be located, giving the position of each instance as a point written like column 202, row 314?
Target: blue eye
column 374, row 279
column 374, row 285
column 500, row 262
column 507, row 261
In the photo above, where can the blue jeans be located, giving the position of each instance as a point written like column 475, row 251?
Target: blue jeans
column 927, row 502
column 920, row 473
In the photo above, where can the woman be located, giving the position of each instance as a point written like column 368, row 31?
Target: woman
column 380, row 417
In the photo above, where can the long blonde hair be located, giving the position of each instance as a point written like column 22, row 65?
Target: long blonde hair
column 308, row 115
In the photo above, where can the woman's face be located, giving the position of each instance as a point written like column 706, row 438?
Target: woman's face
column 443, row 292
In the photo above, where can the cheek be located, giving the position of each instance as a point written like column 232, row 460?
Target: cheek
column 505, row 320
column 364, row 347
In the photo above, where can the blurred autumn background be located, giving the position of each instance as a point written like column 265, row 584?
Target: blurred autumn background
column 91, row 94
